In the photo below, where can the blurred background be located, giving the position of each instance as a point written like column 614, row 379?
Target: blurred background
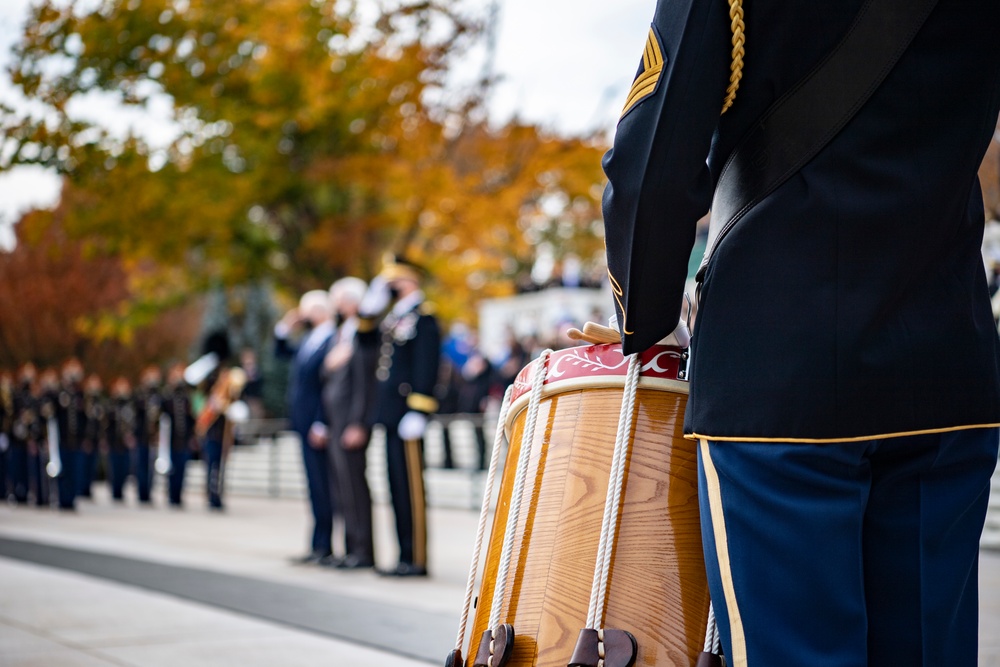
column 170, row 168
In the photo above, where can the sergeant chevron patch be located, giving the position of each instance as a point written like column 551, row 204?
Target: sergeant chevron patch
column 652, row 65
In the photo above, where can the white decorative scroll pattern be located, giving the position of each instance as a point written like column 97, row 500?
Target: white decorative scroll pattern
column 601, row 360
column 590, row 359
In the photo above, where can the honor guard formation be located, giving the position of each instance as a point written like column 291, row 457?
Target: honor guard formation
column 60, row 433
column 359, row 355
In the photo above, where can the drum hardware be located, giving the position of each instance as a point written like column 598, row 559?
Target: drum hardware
column 712, row 655
column 455, row 658
column 682, row 373
column 604, row 648
column 621, row 649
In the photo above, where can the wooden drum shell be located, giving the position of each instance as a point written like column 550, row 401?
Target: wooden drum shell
column 657, row 587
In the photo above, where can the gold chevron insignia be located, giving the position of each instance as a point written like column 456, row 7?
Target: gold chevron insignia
column 652, row 65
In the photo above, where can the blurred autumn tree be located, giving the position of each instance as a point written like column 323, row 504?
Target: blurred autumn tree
column 50, row 288
column 309, row 142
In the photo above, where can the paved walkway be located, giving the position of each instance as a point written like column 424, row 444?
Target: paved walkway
column 55, row 618
column 128, row 585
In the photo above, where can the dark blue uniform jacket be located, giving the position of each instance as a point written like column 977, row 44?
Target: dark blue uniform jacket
column 407, row 368
column 852, row 302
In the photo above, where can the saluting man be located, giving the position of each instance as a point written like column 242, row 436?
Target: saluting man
column 305, row 409
column 407, row 369
column 845, row 392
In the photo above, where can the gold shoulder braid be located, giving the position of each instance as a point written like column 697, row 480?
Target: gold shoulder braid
column 736, row 68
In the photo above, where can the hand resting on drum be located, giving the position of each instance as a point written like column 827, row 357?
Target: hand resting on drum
column 679, row 337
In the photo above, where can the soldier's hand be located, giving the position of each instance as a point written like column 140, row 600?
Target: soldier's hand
column 679, row 337
column 376, row 299
column 355, row 437
column 291, row 318
column 412, row 425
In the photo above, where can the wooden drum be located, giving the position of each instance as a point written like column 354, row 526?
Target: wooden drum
column 656, row 587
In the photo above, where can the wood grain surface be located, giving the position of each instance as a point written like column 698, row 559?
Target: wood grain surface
column 657, row 588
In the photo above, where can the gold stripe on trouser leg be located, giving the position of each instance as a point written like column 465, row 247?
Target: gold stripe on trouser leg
column 417, row 507
column 739, row 657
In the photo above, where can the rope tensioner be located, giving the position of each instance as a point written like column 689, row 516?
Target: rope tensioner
column 497, row 642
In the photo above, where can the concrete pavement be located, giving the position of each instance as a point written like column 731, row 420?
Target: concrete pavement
column 129, row 585
column 56, row 618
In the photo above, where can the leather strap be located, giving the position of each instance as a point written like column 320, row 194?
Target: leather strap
column 495, row 648
column 604, row 648
column 799, row 124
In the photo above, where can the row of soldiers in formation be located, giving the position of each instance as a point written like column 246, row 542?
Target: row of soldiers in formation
column 57, row 431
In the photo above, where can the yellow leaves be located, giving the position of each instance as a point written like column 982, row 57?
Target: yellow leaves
column 307, row 150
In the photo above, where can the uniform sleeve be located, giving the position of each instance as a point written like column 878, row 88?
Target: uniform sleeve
column 426, row 358
column 283, row 347
column 658, row 182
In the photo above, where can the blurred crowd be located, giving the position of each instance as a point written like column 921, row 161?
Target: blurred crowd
column 359, row 355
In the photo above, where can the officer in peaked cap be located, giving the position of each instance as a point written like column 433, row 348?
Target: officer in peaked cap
column 845, row 392
column 407, row 369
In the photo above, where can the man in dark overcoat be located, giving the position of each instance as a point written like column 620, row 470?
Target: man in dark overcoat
column 348, row 402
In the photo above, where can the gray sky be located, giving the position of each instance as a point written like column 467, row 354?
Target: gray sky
column 565, row 64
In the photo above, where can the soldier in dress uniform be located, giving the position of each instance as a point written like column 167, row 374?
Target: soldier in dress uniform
column 120, row 435
column 21, row 417
column 222, row 385
column 177, row 408
column 147, row 400
column 71, row 420
column 409, row 341
column 845, row 389
column 43, row 435
column 93, row 436
column 6, row 427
